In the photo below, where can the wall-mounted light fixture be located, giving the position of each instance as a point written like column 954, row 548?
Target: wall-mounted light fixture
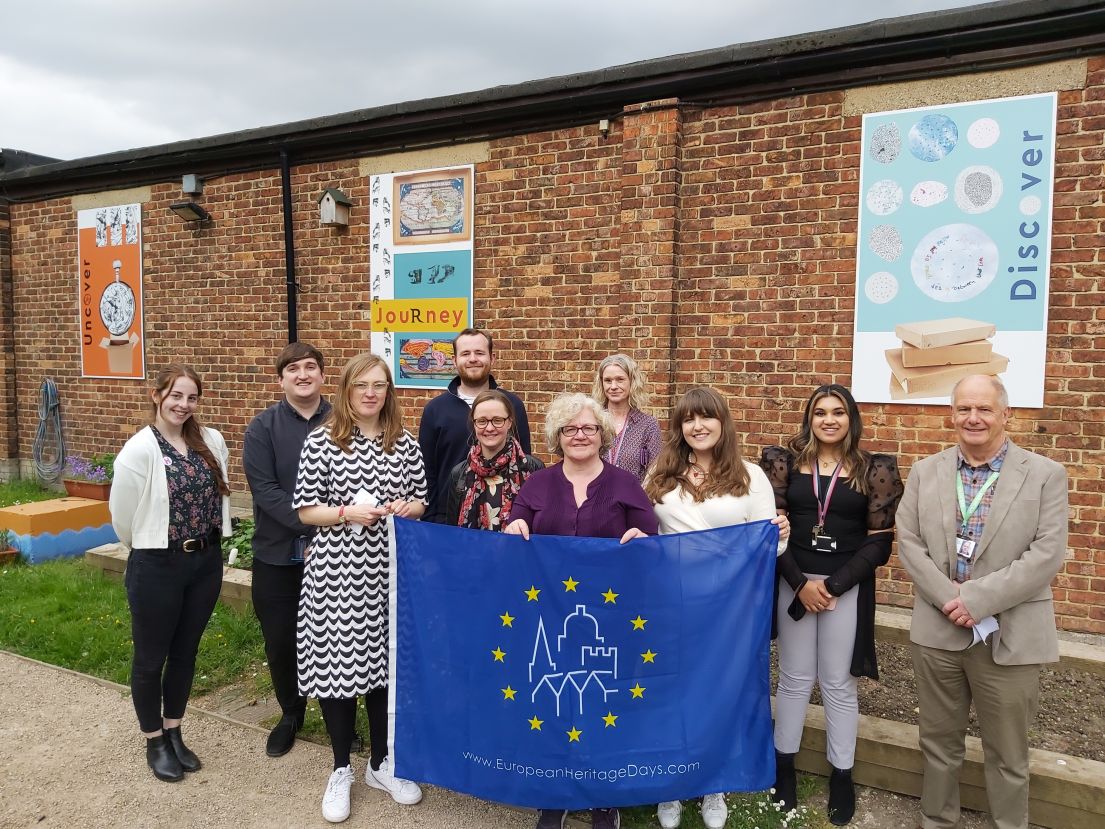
column 191, row 184
column 190, row 212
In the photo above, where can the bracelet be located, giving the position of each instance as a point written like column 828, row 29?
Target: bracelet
column 341, row 514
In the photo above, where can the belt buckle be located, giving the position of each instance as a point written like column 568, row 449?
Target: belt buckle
column 190, row 545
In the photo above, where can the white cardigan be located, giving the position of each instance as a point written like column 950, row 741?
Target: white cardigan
column 678, row 512
column 140, row 493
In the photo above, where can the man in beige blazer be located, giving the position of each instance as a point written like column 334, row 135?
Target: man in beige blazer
column 982, row 530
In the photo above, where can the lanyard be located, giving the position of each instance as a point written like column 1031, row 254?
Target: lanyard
column 617, row 447
column 964, row 510
column 823, row 507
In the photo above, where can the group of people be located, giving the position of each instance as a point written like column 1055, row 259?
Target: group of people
column 324, row 478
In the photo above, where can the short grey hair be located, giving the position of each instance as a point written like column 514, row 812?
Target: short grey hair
column 564, row 409
column 999, row 387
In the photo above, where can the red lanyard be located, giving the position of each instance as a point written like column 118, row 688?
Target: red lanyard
column 823, row 506
column 617, row 447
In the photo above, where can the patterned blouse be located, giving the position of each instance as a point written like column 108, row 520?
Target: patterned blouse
column 637, row 445
column 195, row 506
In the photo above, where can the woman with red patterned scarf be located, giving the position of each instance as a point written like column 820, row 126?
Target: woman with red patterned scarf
column 482, row 486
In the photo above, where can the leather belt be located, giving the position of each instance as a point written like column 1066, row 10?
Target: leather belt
column 195, row 545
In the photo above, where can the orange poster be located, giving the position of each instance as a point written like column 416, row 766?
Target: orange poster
column 109, row 248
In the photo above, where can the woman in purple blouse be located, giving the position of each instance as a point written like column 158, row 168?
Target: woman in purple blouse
column 620, row 388
column 583, row 495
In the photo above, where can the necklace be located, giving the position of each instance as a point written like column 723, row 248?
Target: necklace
column 827, row 464
column 696, row 473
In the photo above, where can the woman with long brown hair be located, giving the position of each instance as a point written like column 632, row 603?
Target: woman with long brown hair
column 356, row 469
column 841, row 501
column 170, row 505
column 701, row 482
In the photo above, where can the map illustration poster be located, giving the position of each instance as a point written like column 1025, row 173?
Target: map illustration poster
column 433, row 207
column 953, row 249
column 109, row 294
column 420, row 267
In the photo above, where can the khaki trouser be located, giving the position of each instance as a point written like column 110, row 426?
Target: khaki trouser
column 1005, row 698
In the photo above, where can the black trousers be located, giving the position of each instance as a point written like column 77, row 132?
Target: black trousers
column 276, row 603
column 340, row 716
column 171, row 596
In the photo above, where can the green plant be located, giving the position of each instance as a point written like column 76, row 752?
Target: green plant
column 241, row 539
column 753, row 810
column 23, row 491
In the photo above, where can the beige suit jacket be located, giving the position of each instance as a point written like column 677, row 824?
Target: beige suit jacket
column 1022, row 547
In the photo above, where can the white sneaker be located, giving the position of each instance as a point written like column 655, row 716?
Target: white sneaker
column 403, row 792
column 670, row 813
column 335, row 803
column 714, row 811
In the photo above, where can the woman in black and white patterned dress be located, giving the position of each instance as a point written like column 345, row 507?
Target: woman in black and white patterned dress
column 355, row 470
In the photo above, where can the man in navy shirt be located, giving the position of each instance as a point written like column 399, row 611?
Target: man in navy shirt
column 270, row 457
column 444, row 434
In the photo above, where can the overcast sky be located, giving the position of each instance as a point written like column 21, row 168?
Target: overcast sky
column 80, row 78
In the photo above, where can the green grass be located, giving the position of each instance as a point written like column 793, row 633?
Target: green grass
column 68, row 614
column 25, row 491
column 746, row 811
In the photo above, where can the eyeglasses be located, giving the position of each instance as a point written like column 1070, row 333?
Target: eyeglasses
column 497, row 422
column 589, row 429
column 377, row 388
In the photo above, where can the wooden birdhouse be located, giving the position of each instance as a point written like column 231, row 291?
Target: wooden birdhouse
column 333, row 208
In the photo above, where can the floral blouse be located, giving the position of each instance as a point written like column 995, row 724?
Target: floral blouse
column 195, row 506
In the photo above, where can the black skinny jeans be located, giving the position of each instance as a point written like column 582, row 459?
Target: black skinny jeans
column 276, row 603
column 171, row 596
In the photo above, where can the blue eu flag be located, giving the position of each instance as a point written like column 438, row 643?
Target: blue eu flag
column 576, row 672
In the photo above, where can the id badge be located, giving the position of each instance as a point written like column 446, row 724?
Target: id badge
column 824, row 543
column 964, row 548
column 299, row 548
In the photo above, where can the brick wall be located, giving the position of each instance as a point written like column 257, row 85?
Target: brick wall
column 717, row 244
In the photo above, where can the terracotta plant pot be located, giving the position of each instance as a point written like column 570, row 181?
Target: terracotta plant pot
column 87, row 489
column 8, row 556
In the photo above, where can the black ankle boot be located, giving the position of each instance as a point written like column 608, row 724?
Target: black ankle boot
column 188, row 759
column 162, row 760
column 842, row 797
column 786, row 782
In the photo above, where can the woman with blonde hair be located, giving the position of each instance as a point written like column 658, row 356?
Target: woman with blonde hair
column 583, row 495
column 170, row 504
column 620, row 387
column 356, row 469
column 701, row 482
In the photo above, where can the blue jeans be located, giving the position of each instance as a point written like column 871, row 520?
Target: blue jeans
column 171, row 597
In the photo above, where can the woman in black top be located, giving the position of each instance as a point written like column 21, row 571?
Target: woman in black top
column 842, row 527
column 482, row 487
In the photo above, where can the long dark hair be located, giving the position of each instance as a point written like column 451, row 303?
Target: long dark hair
column 728, row 475
column 192, row 430
column 805, row 446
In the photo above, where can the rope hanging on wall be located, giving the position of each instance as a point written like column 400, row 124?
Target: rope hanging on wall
column 49, row 445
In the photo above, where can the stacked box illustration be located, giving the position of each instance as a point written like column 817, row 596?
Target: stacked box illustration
column 936, row 354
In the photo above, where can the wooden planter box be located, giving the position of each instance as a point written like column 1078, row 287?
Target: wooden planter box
column 8, row 556
column 87, row 489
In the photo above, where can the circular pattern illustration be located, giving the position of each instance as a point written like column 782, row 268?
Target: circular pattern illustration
column 977, row 189
column 884, row 197
column 881, row 287
column 885, row 242
column 1030, row 205
column 928, row 193
column 933, row 137
column 954, row 263
column 886, row 143
column 983, row 133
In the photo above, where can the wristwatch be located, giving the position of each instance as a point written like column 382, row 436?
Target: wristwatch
column 341, row 514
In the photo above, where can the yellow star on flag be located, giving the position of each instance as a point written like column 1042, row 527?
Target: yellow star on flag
column 609, row 719
column 649, row 656
column 610, row 596
column 531, row 594
column 637, row 691
column 507, row 620
column 570, row 585
column 508, row 692
column 573, row 735
column 638, row 623
column 498, row 654
column 535, row 724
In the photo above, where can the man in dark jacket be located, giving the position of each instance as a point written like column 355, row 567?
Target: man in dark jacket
column 270, row 457
column 444, row 434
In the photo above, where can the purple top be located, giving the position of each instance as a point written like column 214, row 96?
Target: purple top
column 637, row 445
column 615, row 502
